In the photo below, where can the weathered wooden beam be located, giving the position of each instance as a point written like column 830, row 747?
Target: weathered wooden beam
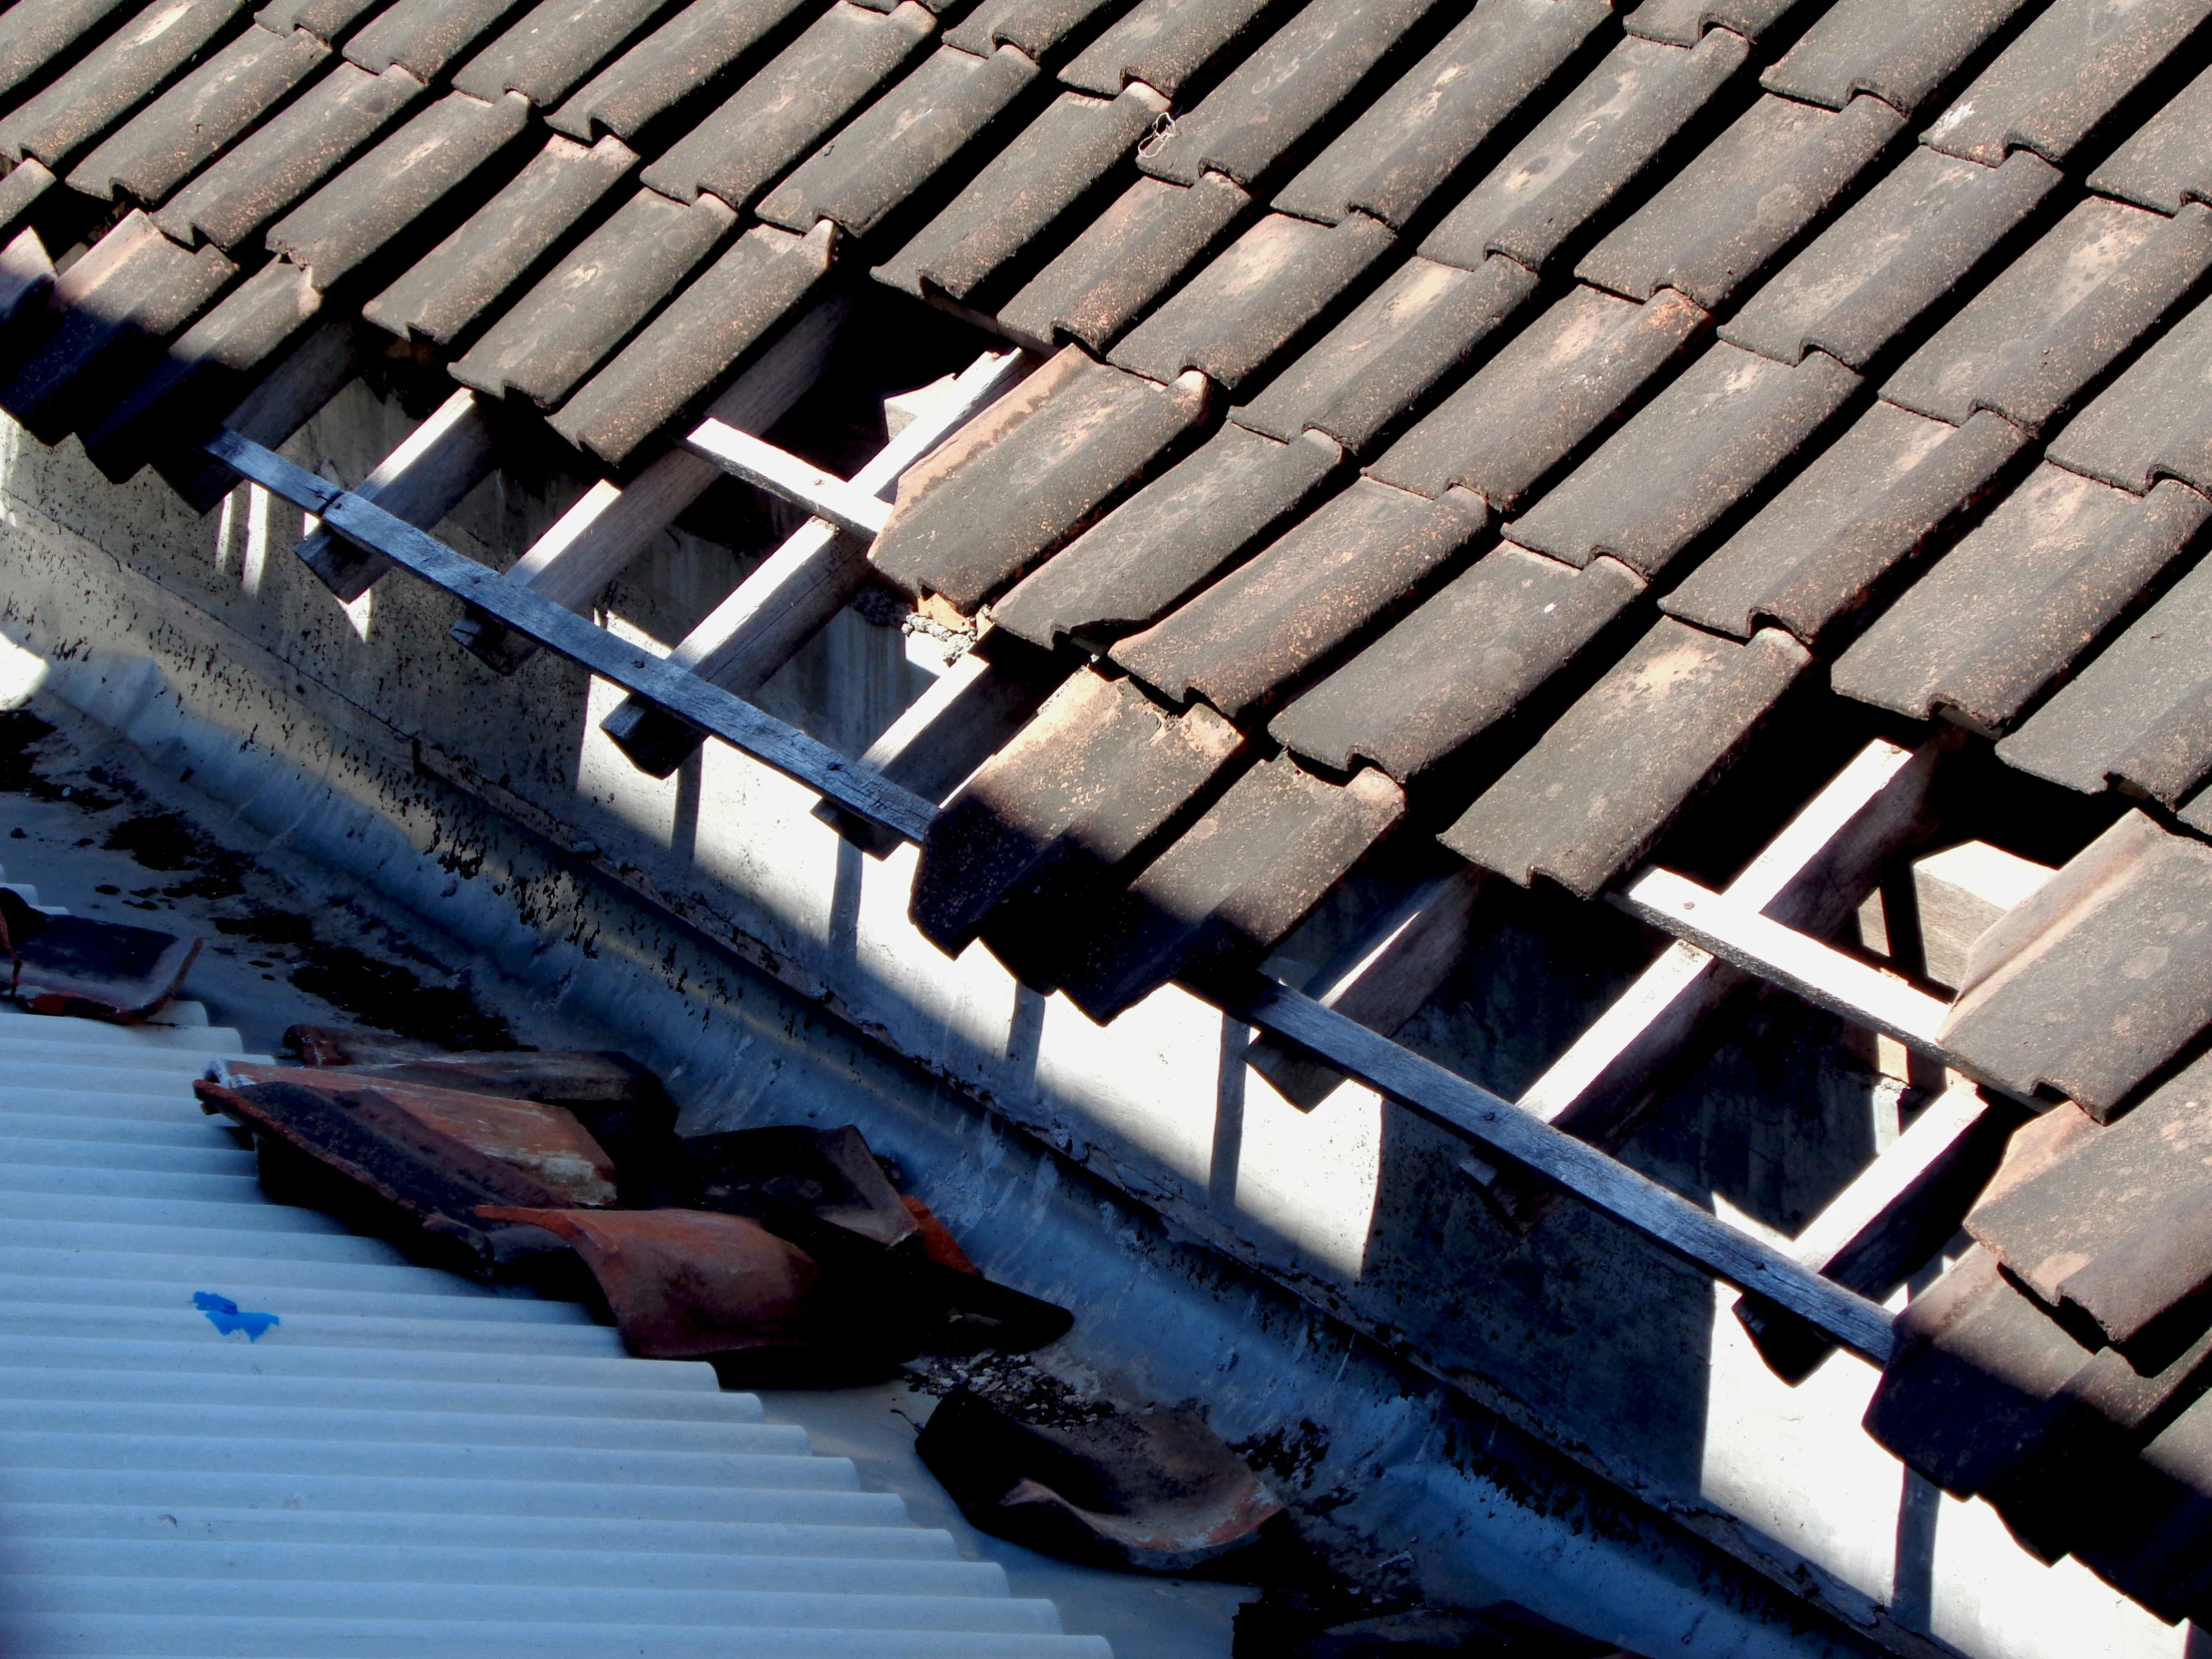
column 612, row 525
column 420, row 483
column 292, row 395
column 802, row 585
column 707, row 707
column 855, row 511
column 1903, row 1207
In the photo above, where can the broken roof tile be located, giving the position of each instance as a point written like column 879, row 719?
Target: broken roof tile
column 1168, row 539
column 1084, row 784
column 781, row 111
column 2140, row 714
column 1583, row 154
column 1164, row 43
column 691, row 347
column 1407, row 143
column 2067, row 72
column 197, row 119
column 1686, row 22
column 1715, row 225
column 1865, row 505
column 2100, row 977
column 57, row 124
column 2169, row 159
column 1598, row 788
column 897, row 144
column 2155, row 420
column 578, row 314
column 1233, row 884
column 1555, row 383
column 1710, row 439
column 1112, row 273
column 1271, row 101
column 1241, row 642
column 1465, row 661
column 1901, row 51
column 545, row 53
column 385, row 193
column 35, row 34
column 2058, row 315
column 1400, row 341
column 1020, row 194
column 1025, row 475
column 669, row 66
column 2009, row 610
column 283, row 160
column 1901, row 249
column 1038, row 27
column 481, row 262
column 2114, row 1226
column 1255, row 300
column 425, row 37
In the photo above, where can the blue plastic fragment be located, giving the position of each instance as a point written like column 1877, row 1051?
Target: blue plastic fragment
column 224, row 1316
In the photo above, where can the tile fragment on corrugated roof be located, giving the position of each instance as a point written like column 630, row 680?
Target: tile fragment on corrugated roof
column 782, row 111
column 1465, row 661
column 1901, row 51
column 1684, row 22
column 1038, row 27
column 1087, row 782
column 1164, row 43
column 1256, row 298
column 1233, row 884
column 425, row 37
column 1271, row 101
column 385, row 194
column 2118, row 1225
column 2027, row 343
column 1716, row 224
column 685, row 54
column 194, row 120
column 107, row 325
column 1588, row 150
column 1421, row 323
column 548, row 51
column 1600, row 786
column 206, row 370
column 2009, row 610
column 1867, row 503
column 1243, row 640
column 476, row 266
column 2155, row 420
column 2098, row 979
column 692, row 346
column 2140, row 714
column 326, row 20
column 1898, row 249
column 2067, row 71
column 281, row 160
column 36, row 33
column 576, row 315
column 1028, row 473
column 1709, row 439
column 1556, row 382
column 1112, row 273
column 1168, row 539
column 2169, row 159
column 1021, row 193
column 56, row 124
column 897, row 145
column 1407, row 143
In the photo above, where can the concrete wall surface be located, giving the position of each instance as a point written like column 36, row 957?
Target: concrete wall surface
column 1439, row 1387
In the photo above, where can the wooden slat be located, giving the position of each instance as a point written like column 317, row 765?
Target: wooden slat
column 759, row 462
column 420, row 483
column 559, row 629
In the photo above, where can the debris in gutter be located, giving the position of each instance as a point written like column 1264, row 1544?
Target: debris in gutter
column 1155, row 1492
column 827, row 1173
column 74, row 965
